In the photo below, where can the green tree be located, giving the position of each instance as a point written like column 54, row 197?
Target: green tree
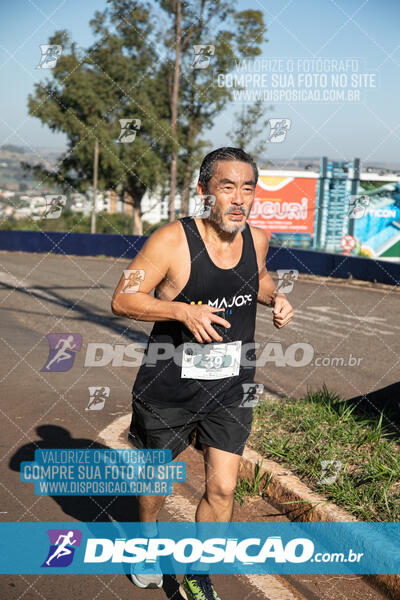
column 88, row 95
column 136, row 70
column 194, row 93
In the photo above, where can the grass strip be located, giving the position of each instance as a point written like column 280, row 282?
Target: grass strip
column 336, row 448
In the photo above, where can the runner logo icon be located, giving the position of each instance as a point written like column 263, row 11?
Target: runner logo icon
column 62, row 351
column 62, row 547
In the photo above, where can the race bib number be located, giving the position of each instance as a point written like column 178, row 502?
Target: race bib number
column 210, row 361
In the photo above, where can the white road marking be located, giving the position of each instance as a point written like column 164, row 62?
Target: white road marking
column 182, row 509
column 370, row 320
column 336, row 321
column 365, row 326
column 302, row 328
column 12, row 280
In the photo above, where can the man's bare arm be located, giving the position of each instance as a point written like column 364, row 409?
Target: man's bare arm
column 267, row 292
column 267, row 288
column 154, row 259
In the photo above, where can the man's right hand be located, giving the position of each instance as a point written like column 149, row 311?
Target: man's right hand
column 198, row 318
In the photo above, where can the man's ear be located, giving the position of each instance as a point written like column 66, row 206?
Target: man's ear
column 201, row 190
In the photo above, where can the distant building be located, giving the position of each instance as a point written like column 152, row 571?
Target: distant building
column 155, row 207
column 378, row 229
column 338, row 180
column 108, row 201
column 21, row 213
column 375, row 225
column 119, row 206
column 7, row 194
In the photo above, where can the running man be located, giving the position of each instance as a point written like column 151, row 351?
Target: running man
column 98, row 397
column 50, row 56
column 55, row 206
column 208, row 275
column 62, row 549
column 62, row 346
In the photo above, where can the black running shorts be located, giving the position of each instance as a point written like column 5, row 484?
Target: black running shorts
column 226, row 427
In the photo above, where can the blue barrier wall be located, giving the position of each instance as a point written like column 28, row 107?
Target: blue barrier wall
column 333, row 265
column 82, row 244
column 127, row 246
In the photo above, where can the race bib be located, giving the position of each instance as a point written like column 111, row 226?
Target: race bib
column 210, row 361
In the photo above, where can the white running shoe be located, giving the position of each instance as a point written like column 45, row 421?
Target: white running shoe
column 150, row 577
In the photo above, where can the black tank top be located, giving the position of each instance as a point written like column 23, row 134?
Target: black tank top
column 160, row 382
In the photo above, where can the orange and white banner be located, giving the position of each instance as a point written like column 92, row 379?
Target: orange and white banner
column 284, row 204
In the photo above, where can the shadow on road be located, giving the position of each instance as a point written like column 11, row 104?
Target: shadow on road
column 81, row 508
column 89, row 312
column 385, row 401
column 88, row 509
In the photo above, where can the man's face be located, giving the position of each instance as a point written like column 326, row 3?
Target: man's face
column 233, row 186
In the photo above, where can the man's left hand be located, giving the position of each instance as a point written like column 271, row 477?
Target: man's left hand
column 283, row 311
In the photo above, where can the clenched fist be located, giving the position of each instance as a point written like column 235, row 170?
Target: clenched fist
column 283, row 311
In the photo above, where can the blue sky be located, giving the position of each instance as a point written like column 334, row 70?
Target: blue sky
column 367, row 29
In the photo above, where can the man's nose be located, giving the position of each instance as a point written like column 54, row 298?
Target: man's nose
column 237, row 199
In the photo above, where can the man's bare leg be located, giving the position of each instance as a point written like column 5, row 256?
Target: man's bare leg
column 222, row 469
column 216, row 504
column 149, row 508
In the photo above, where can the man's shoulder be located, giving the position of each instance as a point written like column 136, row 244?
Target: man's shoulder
column 260, row 237
column 168, row 233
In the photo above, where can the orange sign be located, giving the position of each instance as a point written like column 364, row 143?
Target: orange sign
column 284, row 204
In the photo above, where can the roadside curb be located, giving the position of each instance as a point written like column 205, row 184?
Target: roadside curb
column 284, row 487
column 289, row 493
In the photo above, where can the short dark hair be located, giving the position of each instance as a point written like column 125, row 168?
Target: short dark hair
column 224, row 153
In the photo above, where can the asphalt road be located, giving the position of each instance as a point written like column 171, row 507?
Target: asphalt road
column 66, row 294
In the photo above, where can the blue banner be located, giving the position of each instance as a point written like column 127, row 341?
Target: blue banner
column 275, row 548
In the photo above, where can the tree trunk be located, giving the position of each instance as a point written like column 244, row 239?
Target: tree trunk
column 137, row 220
column 95, row 173
column 172, row 189
column 174, row 108
column 187, row 181
column 130, row 197
column 188, row 173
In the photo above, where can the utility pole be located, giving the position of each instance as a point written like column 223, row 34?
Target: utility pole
column 174, row 107
column 95, row 170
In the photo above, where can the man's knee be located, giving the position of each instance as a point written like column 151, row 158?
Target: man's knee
column 222, row 490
